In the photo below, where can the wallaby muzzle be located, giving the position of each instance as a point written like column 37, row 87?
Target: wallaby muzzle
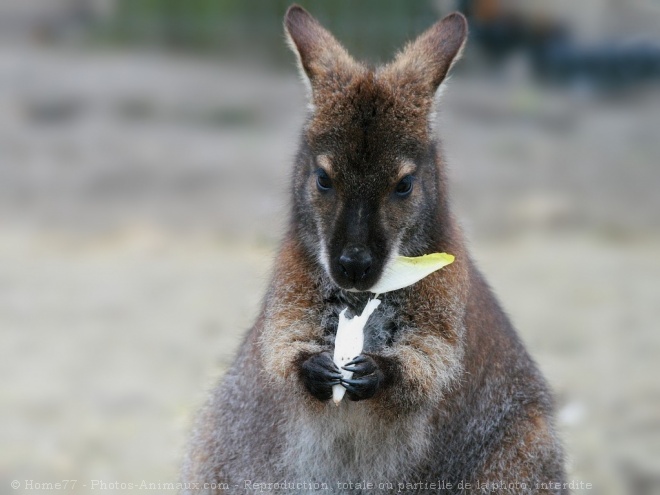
column 358, row 247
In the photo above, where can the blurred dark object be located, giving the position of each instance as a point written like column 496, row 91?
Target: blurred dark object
column 608, row 66
column 555, row 55
column 500, row 31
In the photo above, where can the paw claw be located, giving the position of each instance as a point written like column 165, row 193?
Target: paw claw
column 357, row 381
column 358, row 360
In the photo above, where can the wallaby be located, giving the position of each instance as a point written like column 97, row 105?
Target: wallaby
column 444, row 396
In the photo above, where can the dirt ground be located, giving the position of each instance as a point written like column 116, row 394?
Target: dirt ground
column 141, row 199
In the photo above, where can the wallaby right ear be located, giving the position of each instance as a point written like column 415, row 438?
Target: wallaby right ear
column 319, row 53
column 431, row 55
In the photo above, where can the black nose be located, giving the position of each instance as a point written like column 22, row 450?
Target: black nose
column 355, row 261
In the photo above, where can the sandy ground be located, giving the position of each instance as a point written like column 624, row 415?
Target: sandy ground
column 141, row 198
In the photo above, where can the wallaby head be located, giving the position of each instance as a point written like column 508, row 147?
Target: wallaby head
column 368, row 183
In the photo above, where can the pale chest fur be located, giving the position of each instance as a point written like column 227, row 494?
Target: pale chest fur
column 350, row 443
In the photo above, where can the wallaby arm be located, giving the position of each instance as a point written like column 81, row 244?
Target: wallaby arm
column 291, row 324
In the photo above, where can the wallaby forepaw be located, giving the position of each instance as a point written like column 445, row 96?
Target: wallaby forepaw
column 319, row 373
column 366, row 380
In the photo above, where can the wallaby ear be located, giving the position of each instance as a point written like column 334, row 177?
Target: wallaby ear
column 319, row 53
column 427, row 59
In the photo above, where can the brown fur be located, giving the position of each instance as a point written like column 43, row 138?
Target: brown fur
column 456, row 396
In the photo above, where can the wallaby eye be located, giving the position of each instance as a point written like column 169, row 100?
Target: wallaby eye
column 323, row 181
column 404, row 187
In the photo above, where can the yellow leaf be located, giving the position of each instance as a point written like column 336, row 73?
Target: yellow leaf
column 405, row 271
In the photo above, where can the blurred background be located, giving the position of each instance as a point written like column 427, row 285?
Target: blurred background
column 145, row 148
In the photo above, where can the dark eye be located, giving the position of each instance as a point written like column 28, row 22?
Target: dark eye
column 404, row 187
column 323, row 182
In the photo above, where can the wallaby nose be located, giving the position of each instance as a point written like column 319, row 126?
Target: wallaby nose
column 355, row 261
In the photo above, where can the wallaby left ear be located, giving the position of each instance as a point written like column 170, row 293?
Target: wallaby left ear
column 320, row 56
column 429, row 58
